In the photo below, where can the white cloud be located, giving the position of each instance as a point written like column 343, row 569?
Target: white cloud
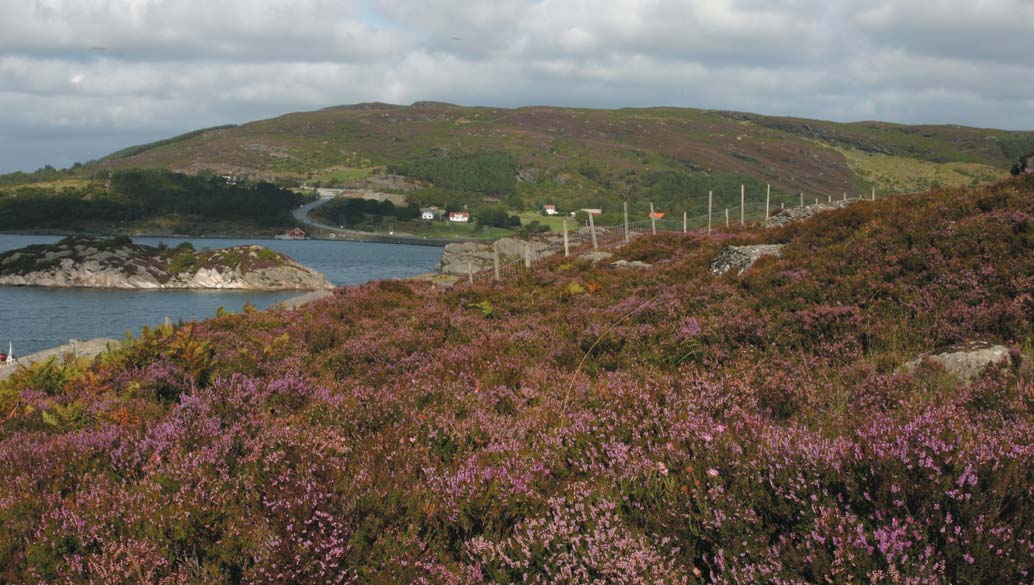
column 75, row 69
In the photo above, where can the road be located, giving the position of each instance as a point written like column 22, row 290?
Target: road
column 328, row 232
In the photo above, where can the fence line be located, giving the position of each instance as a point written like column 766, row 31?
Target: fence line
column 598, row 237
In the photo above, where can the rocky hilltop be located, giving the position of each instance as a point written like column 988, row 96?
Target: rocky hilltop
column 119, row 263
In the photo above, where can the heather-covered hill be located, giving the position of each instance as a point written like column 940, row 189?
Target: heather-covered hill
column 567, row 154
column 577, row 424
column 490, row 159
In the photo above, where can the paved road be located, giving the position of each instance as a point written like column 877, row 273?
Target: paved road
column 324, row 231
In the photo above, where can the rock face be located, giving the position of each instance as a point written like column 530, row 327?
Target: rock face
column 461, row 257
column 741, row 258
column 794, row 214
column 118, row 263
column 964, row 362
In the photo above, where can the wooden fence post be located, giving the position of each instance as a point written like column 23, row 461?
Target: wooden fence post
column 802, row 199
column 726, row 217
column 768, row 199
column 495, row 254
column 743, row 203
column 845, row 196
column 710, row 195
column 816, row 201
column 626, row 221
column 592, row 231
column 470, row 272
column 685, row 221
column 527, row 254
column 653, row 222
column 874, row 193
column 829, row 198
column 567, row 244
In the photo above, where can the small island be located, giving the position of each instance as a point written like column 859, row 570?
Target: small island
column 86, row 262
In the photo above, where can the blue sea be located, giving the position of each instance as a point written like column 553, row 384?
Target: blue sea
column 35, row 318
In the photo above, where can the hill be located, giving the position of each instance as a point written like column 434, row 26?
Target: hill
column 578, row 423
column 473, row 157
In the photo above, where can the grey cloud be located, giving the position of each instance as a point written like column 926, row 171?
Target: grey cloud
column 173, row 66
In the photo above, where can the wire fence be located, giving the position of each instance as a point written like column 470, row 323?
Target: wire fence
column 595, row 237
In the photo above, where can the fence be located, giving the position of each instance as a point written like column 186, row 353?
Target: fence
column 612, row 236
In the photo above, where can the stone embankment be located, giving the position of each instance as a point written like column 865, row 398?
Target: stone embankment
column 88, row 349
column 461, row 258
column 77, row 262
column 793, row 214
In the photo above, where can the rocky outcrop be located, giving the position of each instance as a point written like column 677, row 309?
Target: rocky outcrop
column 460, row 258
column 97, row 263
column 963, row 362
column 741, row 258
column 794, row 214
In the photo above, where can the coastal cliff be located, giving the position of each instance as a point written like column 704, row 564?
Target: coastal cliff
column 118, row 263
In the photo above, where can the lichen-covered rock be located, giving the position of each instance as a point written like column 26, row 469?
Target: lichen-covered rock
column 964, row 362
column 596, row 256
column 741, row 258
column 630, row 264
column 118, row 263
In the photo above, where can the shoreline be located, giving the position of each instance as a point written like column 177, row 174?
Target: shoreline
column 360, row 237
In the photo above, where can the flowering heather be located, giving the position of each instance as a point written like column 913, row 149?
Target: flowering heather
column 659, row 426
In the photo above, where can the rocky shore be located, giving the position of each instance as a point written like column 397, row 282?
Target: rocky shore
column 84, row 262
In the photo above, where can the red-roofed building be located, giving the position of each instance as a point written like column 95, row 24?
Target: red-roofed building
column 459, row 216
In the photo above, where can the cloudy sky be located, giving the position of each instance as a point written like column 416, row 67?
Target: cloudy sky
column 81, row 78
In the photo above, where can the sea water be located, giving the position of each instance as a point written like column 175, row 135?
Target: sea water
column 37, row 318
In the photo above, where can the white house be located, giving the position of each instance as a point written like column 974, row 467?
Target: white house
column 459, row 216
column 549, row 209
column 431, row 213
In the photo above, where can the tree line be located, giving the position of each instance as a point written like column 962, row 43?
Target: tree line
column 144, row 194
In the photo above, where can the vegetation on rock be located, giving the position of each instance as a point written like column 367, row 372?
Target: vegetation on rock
column 78, row 261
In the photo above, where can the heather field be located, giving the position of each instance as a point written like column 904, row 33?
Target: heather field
column 577, row 424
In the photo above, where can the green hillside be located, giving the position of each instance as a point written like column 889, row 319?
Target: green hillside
column 523, row 158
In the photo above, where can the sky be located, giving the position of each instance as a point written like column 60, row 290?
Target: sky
column 82, row 78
